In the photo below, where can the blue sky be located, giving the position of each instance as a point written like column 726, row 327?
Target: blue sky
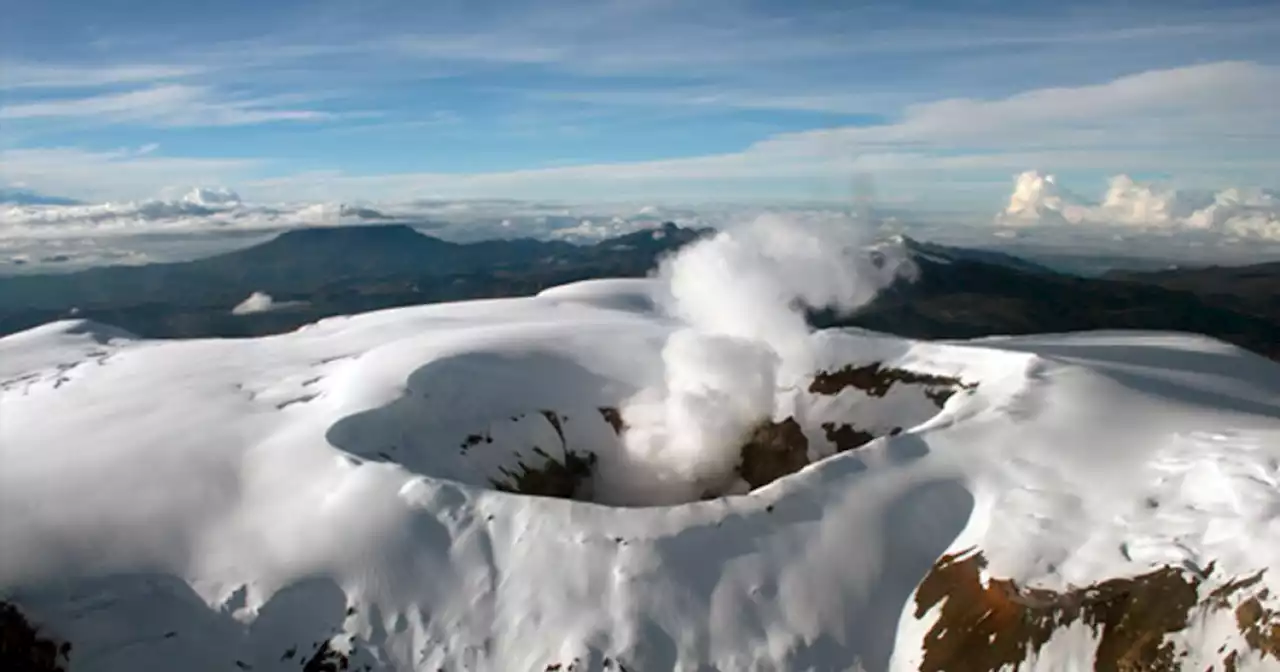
column 647, row 99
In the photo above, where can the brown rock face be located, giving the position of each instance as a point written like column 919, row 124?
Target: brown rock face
column 1260, row 626
column 773, row 450
column 984, row 627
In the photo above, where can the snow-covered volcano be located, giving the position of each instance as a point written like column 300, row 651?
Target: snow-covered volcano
column 353, row 494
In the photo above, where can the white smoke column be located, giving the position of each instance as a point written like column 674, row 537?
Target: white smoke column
column 741, row 298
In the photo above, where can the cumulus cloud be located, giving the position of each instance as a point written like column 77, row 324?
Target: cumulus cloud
column 1247, row 213
column 740, row 298
column 212, row 198
column 1038, row 198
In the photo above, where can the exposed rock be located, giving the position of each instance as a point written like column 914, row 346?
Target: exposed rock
column 614, row 417
column 473, row 440
column 1221, row 596
column 1260, row 626
column 876, row 381
column 556, row 424
column 846, row 437
column 772, row 451
column 24, row 649
column 986, row 627
column 326, row 659
column 564, row 479
column 939, row 395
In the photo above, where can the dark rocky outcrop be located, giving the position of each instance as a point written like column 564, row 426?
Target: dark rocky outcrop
column 773, row 450
column 614, row 417
column 24, row 648
column 564, row 478
column 846, row 437
column 996, row 624
column 876, row 380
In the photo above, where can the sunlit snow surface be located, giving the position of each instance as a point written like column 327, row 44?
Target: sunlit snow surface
column 193, row 504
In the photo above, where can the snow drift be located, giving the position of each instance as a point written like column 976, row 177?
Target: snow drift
column 342, row 493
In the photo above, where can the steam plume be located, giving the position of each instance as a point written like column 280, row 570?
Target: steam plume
column 740, row 297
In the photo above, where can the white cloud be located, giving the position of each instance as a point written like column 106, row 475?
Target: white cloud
column 113, row 175
column 1209, row 121
column 709, row 38
column 258, row 302
column 1234, row 229
column 14, row 75
column 165, row 105
column 261, row 302
column 212, row 197
column 1038, row 198
column 1228, row 100
column 725, row 98
column 203, row 211
column 200, row 210
column 1233, row 212
column 1211, row 118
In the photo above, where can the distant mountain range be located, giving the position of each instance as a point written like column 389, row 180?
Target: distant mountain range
column 332, row 270
column 963, row 293
column 318, row 272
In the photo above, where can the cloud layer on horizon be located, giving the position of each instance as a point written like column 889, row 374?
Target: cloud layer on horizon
column 1245, row 213
column 1227, row 224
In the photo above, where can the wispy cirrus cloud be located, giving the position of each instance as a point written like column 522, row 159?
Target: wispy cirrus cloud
column 1213, row 118
column 164, row 105
column 715, row 97
column 732, row 42
column 38, row 76
column 1211, row 121
column 1173, row 108
column 116, row 174
column 490, row 103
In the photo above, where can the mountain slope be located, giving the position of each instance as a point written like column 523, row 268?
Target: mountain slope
column 334, row 494
column 934, row 253
column 959, row 295
column 1254, row 289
